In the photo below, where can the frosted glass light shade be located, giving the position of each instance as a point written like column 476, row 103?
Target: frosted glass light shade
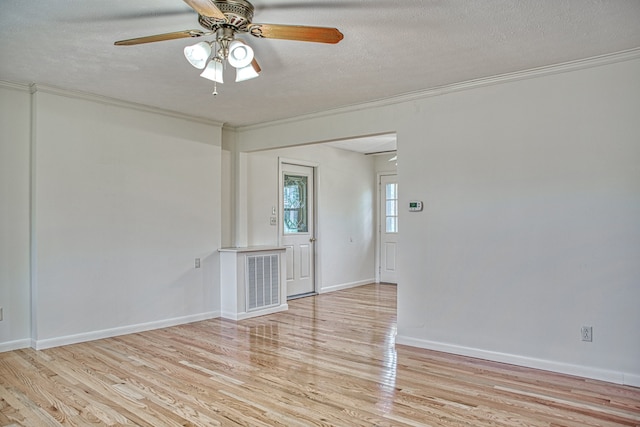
column 240, row 54
column 246, row 73
column 213, row 71
column 198, row 54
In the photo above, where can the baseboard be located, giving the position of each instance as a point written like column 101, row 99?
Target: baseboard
column 256, row 313
column 15, row 345
column 124, row 330
column 346, row 286
column 632, row 380
column 528, row 362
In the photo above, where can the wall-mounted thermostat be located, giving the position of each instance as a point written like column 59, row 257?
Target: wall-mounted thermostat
column 415, row 206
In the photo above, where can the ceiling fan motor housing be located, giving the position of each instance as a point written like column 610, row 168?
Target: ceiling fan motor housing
column 239, row 14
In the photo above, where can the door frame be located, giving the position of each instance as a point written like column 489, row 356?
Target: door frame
column 316, row 245
column 379, row 224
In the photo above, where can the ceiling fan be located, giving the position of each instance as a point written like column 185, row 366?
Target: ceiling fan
column 225, row 18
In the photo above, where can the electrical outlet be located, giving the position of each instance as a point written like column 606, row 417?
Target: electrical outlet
column 586, row 333
column 197, row 262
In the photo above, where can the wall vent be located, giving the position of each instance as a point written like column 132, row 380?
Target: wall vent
column 263, row 281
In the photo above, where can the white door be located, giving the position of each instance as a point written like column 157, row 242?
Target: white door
column 388, row 241
column 297, row 227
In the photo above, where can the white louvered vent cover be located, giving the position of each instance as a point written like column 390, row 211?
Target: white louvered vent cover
column 263, row 281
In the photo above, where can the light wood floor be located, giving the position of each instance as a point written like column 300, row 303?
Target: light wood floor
column 328, row 361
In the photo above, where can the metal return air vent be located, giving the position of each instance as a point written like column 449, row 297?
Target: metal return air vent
column 263, row 284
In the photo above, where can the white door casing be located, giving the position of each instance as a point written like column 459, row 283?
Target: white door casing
column 388, row 228
column 297, row 226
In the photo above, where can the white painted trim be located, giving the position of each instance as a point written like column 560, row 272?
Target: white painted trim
column 248, row 315
column 33, row 242
column 118, row 103
column 529, row 362
column 15, row 86
column 632, row 380
column 15, row 345
column 284, row 160
column 131, row 329
column 563, row 67
column 346, row 286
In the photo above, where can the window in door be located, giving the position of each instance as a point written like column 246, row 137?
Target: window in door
column 391, row 213
column 295, row 204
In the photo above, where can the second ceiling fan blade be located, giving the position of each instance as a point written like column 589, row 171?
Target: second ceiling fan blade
column 206, row 8
column 296, row 32
column 161, row 37
column 256, row 66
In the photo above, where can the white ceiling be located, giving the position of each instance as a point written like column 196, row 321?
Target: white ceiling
column 376, row 144
column 389, row 48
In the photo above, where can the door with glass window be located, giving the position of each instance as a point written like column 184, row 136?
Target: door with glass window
column 297, row 227
column 388, row 221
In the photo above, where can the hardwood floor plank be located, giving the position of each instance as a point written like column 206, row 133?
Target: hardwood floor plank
column 330, row 360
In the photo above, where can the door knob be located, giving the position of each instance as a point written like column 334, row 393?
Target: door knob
column 313, row 239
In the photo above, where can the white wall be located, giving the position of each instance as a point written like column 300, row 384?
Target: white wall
column 383, row 165
column 124, row 202
column 532, row 223
column 225, row 199
column 345, row 208
column 14, row 216
column 531, row 226
column 228, row 183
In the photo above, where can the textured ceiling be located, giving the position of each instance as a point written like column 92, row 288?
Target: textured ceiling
column 389, row 48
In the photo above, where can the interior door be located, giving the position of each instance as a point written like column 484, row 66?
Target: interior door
column 388, row 241
column 297, row 227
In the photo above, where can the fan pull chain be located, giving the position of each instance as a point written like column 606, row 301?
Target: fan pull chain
column 215, row 84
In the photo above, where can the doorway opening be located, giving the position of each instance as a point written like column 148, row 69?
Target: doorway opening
column 343, row 215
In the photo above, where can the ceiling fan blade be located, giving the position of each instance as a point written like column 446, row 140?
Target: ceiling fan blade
column 296, row 32
column 206, row 8
column 161, row 37
column 255, row 66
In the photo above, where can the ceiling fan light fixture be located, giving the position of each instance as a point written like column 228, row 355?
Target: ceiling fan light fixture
column 240, row 54
column 198, row 54
column 213, row 71
column 223, row 19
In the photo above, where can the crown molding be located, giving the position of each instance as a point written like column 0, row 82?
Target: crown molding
column 15, row 86
column 118, row 103
column 564, row 67
column 34, row 88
